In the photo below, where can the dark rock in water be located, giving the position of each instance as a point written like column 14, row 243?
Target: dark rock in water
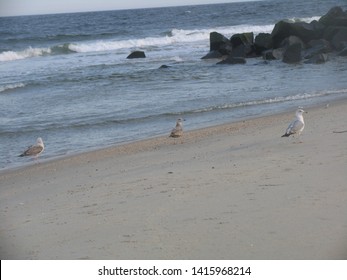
column 340, row 38
column 316, row 31
column 330, row 32
column 320, row 44
column 263, row 42
column 278, row 53
column 335, row 22
column 136, row 54
column 240, row 51
column 281, row 31
column 343, row 52
column 233, row 60
column 305, row 31
column 336, row 35
column 317, row 59
column 212, row 55
column 164, row 66
column 316, row 47
column 334, row 17
column 274, row 54
column 268, row 55
column 292, row 54
column 291, row 40
column 242, row 45
column 309, row 31
column 242, row 39
column 220, row 43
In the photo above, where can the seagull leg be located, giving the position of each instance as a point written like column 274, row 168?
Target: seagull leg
column 299, row 139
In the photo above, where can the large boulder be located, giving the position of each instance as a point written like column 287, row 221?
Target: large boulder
column 242, row 39
column 268, row 55
column 291, row 40
column 322, row 44
column 334, row 17
column 136, row 54
column 335, row 22
column 343, row 52
column 240, row 51
column 281, row 31
column 305, row 31
column 340, row 38
column 274, row 54
column 317, row 59
column 213, row 55
column 316, row 47
column 336, row 35
column 292, row 54
column 263, row 42
column 278, row 53
column 242, row 44
column 219, row 42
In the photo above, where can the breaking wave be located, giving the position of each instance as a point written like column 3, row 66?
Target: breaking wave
column 34, row 52
column 172, row 37
column 27, row 53
column 8, row 87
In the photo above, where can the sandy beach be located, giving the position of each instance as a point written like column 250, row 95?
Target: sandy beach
column 236, row 191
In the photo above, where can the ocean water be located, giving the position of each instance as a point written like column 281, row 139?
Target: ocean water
column 65, row 77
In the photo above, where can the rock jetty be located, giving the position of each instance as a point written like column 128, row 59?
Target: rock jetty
column 289, row 41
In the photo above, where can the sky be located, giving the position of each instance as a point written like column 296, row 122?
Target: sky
column 34, row 7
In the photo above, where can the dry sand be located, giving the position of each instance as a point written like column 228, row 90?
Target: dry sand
column 237, row 191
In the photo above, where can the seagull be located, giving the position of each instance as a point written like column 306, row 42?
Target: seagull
column 34, row 150
column 178, row 130
column 297, row 125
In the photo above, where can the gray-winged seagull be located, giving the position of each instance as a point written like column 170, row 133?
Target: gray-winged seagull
column 297, row 125
column 178, row 130
column 34, row 150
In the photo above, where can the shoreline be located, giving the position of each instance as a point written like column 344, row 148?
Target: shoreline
column 232, row 191
column 161, row 138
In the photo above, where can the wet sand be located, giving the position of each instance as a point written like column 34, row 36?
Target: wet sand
column 236, row 191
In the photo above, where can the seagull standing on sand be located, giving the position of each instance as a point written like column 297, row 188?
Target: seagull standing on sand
column 297, row 125
column 178, row 130
column 34, row 150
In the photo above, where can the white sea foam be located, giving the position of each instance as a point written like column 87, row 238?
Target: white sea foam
column 27, row 53
column 176, row 37
column 256, row 29
column 307, row 19
column 4, row 88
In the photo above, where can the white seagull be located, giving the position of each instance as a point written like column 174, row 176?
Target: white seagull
column 297, row 125
column 34, row 150
column 178, row 130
